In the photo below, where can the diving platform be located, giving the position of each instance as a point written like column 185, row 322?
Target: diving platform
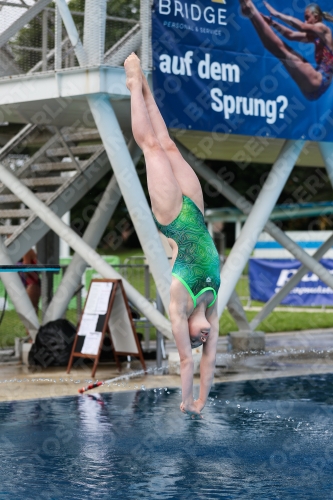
column 73, row 98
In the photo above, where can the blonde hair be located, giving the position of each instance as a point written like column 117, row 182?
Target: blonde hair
column 321, row 15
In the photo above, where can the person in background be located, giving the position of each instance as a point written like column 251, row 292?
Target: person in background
column 31, row 280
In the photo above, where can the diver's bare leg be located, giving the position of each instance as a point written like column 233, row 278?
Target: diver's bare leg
column 164, row 190
column 306, row 77
column 186, row 177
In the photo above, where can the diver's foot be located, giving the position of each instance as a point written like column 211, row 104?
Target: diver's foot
column 133, row 71
column 247, row 7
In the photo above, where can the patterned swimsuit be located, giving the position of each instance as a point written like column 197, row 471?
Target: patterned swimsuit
column 197, row 265
column 324, row 60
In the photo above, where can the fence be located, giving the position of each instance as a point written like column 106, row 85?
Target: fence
column 39, row 44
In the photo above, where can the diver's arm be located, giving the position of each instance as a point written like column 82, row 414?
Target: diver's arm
column 292, row 21
column 208, row 360
column 289, row 34
column 311, row 29
column 180, row 332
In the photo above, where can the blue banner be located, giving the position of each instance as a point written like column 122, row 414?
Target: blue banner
column 243, row 67
column 267, row 277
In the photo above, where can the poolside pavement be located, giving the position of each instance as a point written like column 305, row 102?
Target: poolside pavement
column 287, row 354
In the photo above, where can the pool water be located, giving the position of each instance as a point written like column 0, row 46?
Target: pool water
column 267, row 439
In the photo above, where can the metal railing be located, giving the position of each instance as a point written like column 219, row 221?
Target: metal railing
column 42, row 44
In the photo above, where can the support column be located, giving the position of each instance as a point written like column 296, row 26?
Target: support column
column 257, row 219
column 94, row 31
column 18, row 295
column 92, row 236
column 145, row 21
column 57, row 40
column 72, row 32
column 85, row 251
column 245, row 206
column 281, row 294
column 131, row 189
column 44, row 40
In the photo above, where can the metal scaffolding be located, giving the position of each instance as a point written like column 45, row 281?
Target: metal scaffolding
column 70, row 90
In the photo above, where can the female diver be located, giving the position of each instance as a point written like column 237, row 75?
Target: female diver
column 177, row 204
column 313, row 82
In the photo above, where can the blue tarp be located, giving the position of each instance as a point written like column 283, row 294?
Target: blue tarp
column 268, row 276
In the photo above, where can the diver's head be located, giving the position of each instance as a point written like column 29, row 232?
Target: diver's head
column 199, row 327
column 313, row 14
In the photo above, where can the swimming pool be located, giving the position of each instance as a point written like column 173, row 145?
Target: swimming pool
column 266, row 439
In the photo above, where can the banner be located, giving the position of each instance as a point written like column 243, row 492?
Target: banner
column 267, row 277
column 245, row 67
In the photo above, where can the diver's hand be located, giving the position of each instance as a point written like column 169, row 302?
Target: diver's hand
column 271, row 10
column 192, row 409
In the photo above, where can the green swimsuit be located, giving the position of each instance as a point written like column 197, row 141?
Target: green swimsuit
column 197, row 265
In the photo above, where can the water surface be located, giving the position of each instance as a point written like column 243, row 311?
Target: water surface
column 267, row 439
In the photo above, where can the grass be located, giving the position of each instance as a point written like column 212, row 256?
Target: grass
column 12, row 327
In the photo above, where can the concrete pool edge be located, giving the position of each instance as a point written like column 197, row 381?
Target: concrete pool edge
column 300, row 353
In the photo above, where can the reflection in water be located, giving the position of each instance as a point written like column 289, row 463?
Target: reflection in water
column 266, row 439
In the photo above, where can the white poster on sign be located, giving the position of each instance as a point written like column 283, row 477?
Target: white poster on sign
column 123, row 338
column 98, row 298
column 91, row 343
column 88, row 324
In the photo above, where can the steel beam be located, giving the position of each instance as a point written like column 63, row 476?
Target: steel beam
column 145, row 10
column 131, row 189
column 245, row 206
column 281, row 294
column 94, row 31
column 85, row 251
column 326, row 150
column 66, row 83
column 92, row 236
column 257, row 219
column 72, row 32
column 129, row 43
column 22, row 21
column 236, row 309
column 18, row 295
column 57, row 40
column 76, row 187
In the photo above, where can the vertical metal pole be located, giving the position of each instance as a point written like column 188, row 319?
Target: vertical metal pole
column 159, row 336
column 131, row 189
column 94, row 31
column 57, row 39
column 145, row 29
column 72, row 32
column 44, row 40
column 147, row 295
